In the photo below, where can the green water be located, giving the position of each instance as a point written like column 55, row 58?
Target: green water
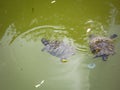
column 23, row 65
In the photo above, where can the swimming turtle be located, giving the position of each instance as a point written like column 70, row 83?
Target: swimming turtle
column 102, row 46
column 57, row 48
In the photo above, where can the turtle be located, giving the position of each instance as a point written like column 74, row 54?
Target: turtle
column 60, row 49
column 102, row 46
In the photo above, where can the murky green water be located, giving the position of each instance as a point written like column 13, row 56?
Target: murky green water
column 23, row 66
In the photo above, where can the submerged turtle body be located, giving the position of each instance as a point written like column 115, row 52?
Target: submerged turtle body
column 102, row 46
column 59, row 49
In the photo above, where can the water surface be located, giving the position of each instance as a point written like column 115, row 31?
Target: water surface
column 23, row 66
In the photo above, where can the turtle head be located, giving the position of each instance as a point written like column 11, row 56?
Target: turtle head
column 45, row 41
column 113, row 36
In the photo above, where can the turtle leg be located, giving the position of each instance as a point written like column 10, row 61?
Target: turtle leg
column 104, row 57
column 43, row 49
column 96, row 56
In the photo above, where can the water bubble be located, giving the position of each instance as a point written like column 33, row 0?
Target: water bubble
column 91, row 65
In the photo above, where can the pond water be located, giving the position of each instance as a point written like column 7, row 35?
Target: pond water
column 23, row 66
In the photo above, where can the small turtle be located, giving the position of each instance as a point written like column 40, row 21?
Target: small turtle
column 59, row 49
column 102, row 46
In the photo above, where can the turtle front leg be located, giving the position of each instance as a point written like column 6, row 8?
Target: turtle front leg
column 43, row 49
column 104, row 57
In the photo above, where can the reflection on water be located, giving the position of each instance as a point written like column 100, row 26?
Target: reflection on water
column 24, row 66
column 38, row 85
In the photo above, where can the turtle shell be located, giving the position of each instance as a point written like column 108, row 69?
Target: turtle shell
column 57, row 48
column 101, row 46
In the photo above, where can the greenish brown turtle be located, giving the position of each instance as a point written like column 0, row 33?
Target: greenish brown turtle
column 57, row 48
column 102, row 46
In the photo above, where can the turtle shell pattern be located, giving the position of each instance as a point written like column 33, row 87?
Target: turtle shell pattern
column 101, row 47
column 57, row 48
